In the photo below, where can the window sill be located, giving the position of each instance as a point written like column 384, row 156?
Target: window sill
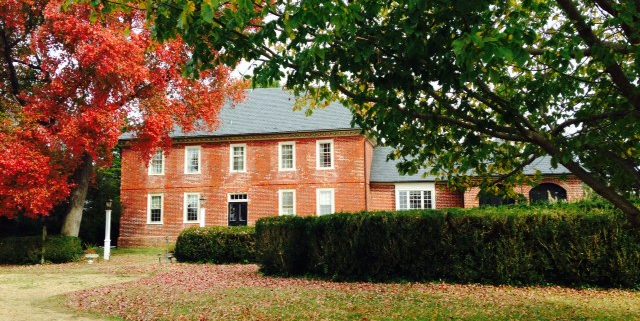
column 155, row 223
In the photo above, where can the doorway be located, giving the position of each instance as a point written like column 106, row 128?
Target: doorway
column 238, row 209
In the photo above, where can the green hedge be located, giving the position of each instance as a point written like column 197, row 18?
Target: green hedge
column 565, row 244
column 28, row 249
column 216, row 245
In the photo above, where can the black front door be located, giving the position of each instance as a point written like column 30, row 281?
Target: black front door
column 237, row 213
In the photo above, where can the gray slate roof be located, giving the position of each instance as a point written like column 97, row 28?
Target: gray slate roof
column 543, row 164
column 384, row 171
column 270, row 110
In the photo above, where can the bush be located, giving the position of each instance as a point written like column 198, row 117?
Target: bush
column 216, row 245
column 28, row 249
column 563, row 244
column 282, row 246
column 61, row 249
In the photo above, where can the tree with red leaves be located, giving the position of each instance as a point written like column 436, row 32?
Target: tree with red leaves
column 72, row 81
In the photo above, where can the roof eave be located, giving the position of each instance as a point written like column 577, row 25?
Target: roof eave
column 340, row 132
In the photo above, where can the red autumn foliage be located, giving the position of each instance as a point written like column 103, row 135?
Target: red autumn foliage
column 74, row 82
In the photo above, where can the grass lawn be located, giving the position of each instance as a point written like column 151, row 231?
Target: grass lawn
column 239, row 292
column 133, row 286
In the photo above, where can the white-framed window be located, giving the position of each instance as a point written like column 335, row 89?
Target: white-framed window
column 415, row 196
column 287, row 202
column 324, row 154
column 238, row 158
column 287, row 156
column 192, row 160
column 156, row 165
column 155, row 208
column 325, row 201
column 191, row 207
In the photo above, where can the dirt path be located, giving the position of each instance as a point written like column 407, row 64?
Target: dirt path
column 35, row 292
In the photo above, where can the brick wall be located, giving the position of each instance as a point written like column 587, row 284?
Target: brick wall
column 447, row 198
column 383, row 197
column 573, row 186
column 261, row 182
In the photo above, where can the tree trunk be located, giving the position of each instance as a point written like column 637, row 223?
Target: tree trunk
column 598, row 186
column 72, row 219
column 11, row 70
column 619, row 201
column 44, row 239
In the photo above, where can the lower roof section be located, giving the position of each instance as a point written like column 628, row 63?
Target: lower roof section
column 386, row 171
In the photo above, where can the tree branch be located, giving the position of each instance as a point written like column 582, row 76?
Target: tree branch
column 627, row 89
column 30, row 65
column 516, row 170
column 631, row 34
column 480, row 128
column 504, row 106
column 600, row 187
column 587, row 52
column 593, row 119
column 11, row 70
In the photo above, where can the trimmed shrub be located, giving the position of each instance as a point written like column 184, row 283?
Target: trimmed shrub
column 282, row 245
column 216, row 245
column 61, row 249
column 565, row 244
column 27, row 249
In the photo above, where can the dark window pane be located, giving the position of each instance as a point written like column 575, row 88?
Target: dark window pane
column 547, row 193
column 496, row 198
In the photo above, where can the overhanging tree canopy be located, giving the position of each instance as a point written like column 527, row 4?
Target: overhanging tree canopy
column 71, row 81
column 482, row 86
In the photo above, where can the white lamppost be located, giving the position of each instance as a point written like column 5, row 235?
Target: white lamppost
column 107, row 232
column 202, row 211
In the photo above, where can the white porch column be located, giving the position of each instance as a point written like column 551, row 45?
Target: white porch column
column 107, row 232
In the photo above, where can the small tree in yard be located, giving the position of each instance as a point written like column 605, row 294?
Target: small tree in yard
column 461, row 86
column 72, row 80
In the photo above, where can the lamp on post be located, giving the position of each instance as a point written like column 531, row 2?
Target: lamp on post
column 202, row 211
column 107, row 231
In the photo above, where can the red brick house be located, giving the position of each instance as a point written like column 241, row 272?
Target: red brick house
column 266, row 160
